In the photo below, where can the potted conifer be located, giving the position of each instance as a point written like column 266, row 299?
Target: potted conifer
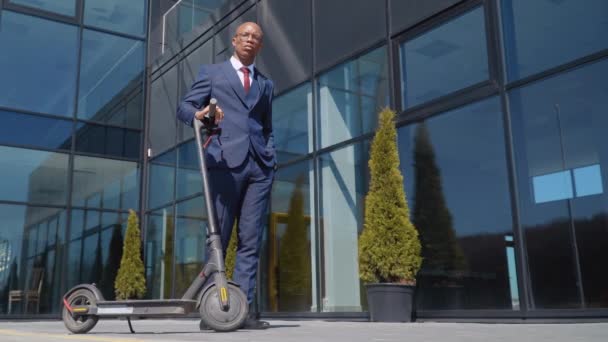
column 130, row 282
column 389, row 246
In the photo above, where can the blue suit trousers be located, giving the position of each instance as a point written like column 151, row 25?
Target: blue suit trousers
column 242, row 193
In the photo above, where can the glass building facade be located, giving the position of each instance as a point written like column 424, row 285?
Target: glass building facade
column 71, row 141
column 501, row 108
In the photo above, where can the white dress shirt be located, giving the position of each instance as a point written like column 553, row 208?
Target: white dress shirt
column 237, row 65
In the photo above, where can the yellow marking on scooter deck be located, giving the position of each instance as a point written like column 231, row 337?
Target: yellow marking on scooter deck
column 79, row 337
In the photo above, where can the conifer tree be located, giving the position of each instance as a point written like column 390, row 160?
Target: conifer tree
column 294, row 257
column 389, row 248
column 432, row 217
column 110, row 269
column 168, row 255
column 130, row 281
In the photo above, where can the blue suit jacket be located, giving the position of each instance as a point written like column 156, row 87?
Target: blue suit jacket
column 247, row 118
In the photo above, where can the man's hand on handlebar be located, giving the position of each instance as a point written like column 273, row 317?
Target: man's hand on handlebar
column 203, row 114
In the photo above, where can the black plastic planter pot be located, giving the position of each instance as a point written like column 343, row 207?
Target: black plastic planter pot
column 390, row 302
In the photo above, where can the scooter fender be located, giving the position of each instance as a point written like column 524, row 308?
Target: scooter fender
column 205, row 289
column 90, row 287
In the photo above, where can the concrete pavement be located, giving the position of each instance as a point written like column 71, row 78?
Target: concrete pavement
column 309, row 331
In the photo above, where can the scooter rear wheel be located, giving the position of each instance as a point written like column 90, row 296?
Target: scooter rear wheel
column 84, row 323
column 219, row 320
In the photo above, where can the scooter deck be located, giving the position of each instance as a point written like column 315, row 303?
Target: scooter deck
column 145, row 308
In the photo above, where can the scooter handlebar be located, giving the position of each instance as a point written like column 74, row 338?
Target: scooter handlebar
column 212, row 105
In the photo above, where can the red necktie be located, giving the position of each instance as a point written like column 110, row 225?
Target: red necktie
column 246, row 84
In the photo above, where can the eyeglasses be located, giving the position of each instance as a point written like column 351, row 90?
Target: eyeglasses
column 243, row 36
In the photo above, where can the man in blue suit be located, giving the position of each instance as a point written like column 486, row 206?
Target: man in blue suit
column 241, row 158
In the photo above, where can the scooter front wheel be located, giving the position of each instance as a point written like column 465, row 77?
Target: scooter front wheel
column 83, row 323
column 218, row 319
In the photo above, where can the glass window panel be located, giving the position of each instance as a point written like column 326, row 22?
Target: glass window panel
column 288, row 270
column 110, row 77
column 103, row 244
column 36, row 131
column 189, row 179
column 126, row 109
column 77, row 224
column 350, row 95
column 25, row 248
column 194, row 207
column 33, row 176
column 162, row 179
column 163, row 104
column 94, row 177
column 64, row 7
column 52, row 238
column 91, row 259
column 566, row 30
column 111, row 141
column 190, row 247
column 74, row 261
column 456, row 181
column 61, row 229
column 160, row 232
column 344, row 180
column 27, row 74
column 445, row 59
column 117, row 15
column 559, row 125
column 93, row 220
column 292, row 123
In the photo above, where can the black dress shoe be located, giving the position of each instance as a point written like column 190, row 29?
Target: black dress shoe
column 253, row 323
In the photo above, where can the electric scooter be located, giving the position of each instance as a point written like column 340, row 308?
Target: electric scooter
column 222, row 304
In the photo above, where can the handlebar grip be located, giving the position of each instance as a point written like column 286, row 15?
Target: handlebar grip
column 212, row 104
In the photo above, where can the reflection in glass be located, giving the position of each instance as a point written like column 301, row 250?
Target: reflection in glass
column 111, row 79
column 28, row 74
column 36, row 131
column 445, row 59
column 105, row 183
column 163, row 103
column 189, row 179
column 559, row 129
column 344, row 181
column 64, row 7
column 159, row 253
column 95, row 251
column 456, row 180
column 552, row 187
column 288, row 270
column 33, row 176
column 186, row 15
column 190, row 236
column 566, row 30
column 117, row 15
column 162, row 179
column 292, row 123
column 588, row 180
column 350, row 96
column 111, row 141
column 31, row 252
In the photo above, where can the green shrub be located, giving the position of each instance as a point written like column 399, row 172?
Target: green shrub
column 130, row 281
column 389, row 247
column 295, row 281
column 230, row 260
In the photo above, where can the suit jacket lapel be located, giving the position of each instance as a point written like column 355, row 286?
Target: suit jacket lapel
column 254, row 92
column 260, row 86
column 234, row 81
